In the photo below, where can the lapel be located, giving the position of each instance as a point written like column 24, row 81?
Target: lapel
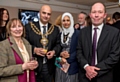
column 103, row 35
column 89, row 38
column 15, row 47
column 49, row 25
column 37, row 24
column 48, row 37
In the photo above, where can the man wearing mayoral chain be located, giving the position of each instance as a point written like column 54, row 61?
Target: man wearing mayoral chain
column 45, row 40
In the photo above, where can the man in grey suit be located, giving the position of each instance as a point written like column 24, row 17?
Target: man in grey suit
column 98, row 48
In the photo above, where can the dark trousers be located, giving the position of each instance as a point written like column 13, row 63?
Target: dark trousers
column 94, row 80
column 44, row 75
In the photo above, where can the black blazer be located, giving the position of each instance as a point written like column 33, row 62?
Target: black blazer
column 117, row 24
column 108, row 50
column 116, row 72
column 54, row 44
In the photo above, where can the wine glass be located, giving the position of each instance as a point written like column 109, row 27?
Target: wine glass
column 32, row 59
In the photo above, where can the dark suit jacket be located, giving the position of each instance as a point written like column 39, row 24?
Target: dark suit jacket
column 116, row 72
column 108, row 50
column 117, row 24
column 54, row 44
column 9, row 70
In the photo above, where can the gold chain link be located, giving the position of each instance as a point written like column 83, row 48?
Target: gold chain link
column 37, row 31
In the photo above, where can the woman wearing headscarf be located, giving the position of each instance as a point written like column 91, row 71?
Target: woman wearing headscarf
column 69, row 38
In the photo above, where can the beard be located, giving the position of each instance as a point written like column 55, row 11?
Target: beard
column 81, row 23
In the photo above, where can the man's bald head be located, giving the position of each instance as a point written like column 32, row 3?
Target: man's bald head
column 45, row 14
column 46, row 7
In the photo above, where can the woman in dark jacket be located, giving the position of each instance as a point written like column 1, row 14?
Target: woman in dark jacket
column 69, row 38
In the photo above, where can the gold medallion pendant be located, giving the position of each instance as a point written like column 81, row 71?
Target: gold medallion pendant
column 44, row 41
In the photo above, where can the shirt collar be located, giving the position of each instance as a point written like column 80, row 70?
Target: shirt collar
column 99, row 27
column 41, row 24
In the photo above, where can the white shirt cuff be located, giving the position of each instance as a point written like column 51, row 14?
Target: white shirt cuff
column 86, row 66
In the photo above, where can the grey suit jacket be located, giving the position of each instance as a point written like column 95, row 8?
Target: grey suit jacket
column 8, row 67
column 108, row 52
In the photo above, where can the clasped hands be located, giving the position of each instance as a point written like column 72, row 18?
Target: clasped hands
column 30, row 65
column 42, row 52
column 91, row 72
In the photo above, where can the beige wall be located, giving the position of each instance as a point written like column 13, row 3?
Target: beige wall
column 13, row 11
column 55, row 14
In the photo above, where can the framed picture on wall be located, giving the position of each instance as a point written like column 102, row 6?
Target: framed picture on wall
column 27, row 16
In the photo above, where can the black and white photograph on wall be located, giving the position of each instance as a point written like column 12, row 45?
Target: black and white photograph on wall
column 27, row 16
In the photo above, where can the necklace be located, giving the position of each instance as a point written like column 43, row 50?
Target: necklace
column 65, row 37
column 44, row 41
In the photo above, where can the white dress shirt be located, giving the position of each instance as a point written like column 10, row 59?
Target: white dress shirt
column 98, row 36
column 99, row 30
column 41, row 26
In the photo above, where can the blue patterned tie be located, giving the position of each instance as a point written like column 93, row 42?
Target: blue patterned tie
column 94, row 46
column 44, row 31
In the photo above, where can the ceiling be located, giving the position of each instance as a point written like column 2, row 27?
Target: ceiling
column 89, row 3
column 78, row 4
